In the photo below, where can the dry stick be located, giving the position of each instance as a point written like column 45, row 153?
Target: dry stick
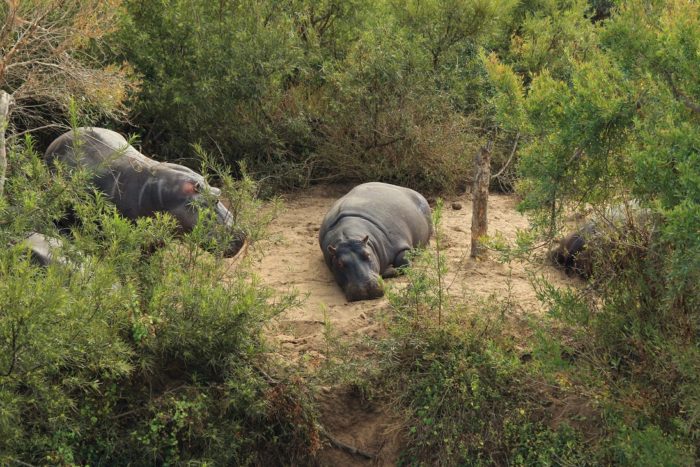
column 345, row 447
column 512, row 153
column 22, row 463
column 480, row 198
column 5, row 102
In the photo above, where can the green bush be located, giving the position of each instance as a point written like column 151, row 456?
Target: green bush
column 305, row 91
column 125, row 355
column 384, row 119
column 454, row 372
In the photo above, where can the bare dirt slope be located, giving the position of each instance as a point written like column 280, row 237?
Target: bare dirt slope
column 293, row 261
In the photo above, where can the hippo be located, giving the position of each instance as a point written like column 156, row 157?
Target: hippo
column 572, row 253
column 44, row 250
column 367, row 233
column 577, row 252
column 140, row 186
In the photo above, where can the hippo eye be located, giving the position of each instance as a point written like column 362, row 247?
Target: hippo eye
column 340, row 264
column 365, row 255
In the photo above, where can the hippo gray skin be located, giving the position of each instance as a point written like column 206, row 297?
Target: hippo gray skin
column 572, row 255
column 44, row 250
column 576, row 253
column 367, row 233
column 140, row 186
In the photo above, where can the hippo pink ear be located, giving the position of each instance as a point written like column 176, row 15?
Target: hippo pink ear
column 331, row 250
column 365, row 240
column 189, row 188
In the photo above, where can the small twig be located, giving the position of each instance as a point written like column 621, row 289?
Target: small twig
column 44, row 127
column 378, row 145
column 679, row 95
column 127, row 413
column 345, row 447
column 22, row 463
column 512, row 153
column 269, row 379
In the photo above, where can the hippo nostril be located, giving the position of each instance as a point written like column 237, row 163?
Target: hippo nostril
column 368, row 291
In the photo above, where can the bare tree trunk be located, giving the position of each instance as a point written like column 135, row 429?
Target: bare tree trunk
column 480, row 198
column 5, row 101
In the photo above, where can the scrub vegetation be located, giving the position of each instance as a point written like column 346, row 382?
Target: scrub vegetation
column 142, row 349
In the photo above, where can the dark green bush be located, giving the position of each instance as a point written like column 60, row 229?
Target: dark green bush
column 467, row 397
column 305, row 91
column 126, row 356
column 455, row 374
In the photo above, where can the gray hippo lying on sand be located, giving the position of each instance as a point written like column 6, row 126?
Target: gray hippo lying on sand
column 367, row 233
column 140, row 186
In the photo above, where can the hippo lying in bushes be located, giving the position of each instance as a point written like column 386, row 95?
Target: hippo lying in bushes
column 44, row 250
column 140, row 186
column 367, row 233
column 609, row 238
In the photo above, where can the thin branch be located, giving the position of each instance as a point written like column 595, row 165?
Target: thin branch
column 385, row 143
column 20, row 42
column 45, row 127
column 22, row 463
column 679, row 95
column 512, row 153
column 345, row 447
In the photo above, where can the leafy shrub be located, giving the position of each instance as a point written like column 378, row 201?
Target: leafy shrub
column 125, row 355
column 455, row 372
column 305, row 91
column 615, row 123
column 385, row 120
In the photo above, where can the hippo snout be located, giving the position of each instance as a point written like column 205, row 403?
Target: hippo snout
column 223, row 215
column 365, row 291
column 234, row 246
column 225, row 218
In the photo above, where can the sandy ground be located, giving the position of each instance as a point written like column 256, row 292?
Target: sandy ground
column 293, row 261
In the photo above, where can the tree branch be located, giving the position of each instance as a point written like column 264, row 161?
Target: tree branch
column 679, row 95
column 5, row 103
column 345, row 447
column 512, row 153
column 26, row 34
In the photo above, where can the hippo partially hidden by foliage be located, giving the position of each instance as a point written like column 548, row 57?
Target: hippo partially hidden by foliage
column 140, row 186
column 367, row 233
column 609, row 239
column 44, row 250
column 572, row 253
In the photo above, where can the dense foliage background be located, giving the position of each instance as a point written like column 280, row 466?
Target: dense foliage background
column 587, row 104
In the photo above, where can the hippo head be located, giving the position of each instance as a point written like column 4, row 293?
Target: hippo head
column 572, row 254
column 186, row 193
column 356, row 269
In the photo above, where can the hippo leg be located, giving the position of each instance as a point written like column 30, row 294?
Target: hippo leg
column 399, row 262
column 390, row 272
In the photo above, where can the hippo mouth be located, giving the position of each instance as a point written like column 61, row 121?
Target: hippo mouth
column 234, row 246
column 238, row 237
column 357, row 292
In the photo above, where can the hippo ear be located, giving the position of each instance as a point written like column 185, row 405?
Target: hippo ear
column 365, row 240
column 331, row 250
column 189, row 188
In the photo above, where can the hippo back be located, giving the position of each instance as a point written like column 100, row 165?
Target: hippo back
column 391, row 207
column 400, row 217
column 138, row 185
column 96, row 149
